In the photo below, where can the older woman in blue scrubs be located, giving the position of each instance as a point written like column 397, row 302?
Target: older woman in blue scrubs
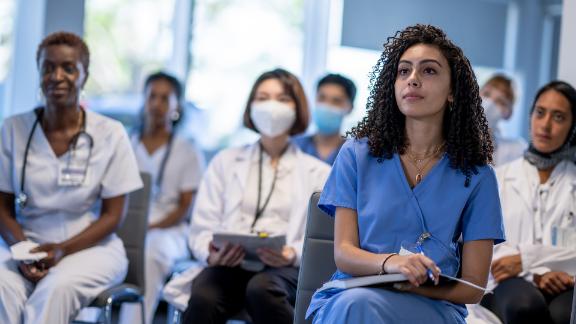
column 414, row 175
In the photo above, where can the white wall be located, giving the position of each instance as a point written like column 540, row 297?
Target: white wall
column 567, row 63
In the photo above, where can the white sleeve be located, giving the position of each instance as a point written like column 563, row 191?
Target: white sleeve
column 208, row 210
column 537, row 258
column 122, row 175
column 6, row 159
column 192, row 170
column 319, row 179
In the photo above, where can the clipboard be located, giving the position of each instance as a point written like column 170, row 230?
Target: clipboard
column 250, row 242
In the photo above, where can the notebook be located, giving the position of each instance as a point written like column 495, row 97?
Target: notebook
column 387, row 280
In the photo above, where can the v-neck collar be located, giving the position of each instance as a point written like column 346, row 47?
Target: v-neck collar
column 419, row 187
column 41, row 135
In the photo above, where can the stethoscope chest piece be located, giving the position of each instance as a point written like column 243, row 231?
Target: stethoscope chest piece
column 22, row 200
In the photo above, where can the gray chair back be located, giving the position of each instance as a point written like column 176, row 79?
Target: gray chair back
column 133, row 232
column 317, row 264
column 573, row 317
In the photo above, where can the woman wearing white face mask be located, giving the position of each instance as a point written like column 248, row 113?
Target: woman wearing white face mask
column 334, row 100
column 498, row 102
column 263, row 187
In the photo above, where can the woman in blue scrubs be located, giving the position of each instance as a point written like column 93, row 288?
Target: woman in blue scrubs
column 415, row 174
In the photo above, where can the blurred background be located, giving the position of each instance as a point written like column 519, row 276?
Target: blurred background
column 218, row 48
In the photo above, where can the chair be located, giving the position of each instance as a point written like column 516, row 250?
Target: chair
column 133, row 235
column 573, row 317
column 317, row 264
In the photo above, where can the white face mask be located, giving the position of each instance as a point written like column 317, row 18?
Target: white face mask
column 492, row 112
column 272, row 118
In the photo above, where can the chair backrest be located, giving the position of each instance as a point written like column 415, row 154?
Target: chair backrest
column 133, row 232
column 573, row 317
column 317, row 257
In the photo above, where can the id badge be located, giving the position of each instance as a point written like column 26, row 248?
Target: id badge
column 564, row 236
column 73, row 175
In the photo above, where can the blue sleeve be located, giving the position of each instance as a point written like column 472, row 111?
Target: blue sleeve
column 482, row 219
column 340, row 189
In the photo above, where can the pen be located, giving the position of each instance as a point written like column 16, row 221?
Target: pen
column 429, row 272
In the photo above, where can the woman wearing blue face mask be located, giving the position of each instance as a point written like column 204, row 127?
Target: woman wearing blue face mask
column 334, row 100
column 263, row 187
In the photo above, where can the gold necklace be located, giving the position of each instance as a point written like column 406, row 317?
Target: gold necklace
column 415, row 161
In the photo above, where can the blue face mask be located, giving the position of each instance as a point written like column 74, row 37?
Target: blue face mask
column 328, row 119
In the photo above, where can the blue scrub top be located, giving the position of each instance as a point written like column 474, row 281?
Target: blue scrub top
column 390, row 212
column 306, row 144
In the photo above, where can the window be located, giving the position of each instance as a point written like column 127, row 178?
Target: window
column 128, row 40
column 233, row 42
column 7, row 8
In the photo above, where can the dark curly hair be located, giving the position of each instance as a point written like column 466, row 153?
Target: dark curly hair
column 69, row 39
column 468, row 141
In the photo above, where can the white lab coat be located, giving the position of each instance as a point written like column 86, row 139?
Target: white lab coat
column 219, row 203
column 56, row 213
column 164, row 246
column 518, row 184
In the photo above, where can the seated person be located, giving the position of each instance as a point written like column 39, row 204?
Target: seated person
column 498, row 102
column 414, row 178
column 176, row 167
column 334, row 100
column 263, row 187
column 64, row 175
column 534, row 270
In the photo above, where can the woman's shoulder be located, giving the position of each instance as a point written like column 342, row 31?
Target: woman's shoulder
column 102, row 124
column 20, row 119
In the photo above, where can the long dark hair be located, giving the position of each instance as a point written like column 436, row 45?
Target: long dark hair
column 468, row 141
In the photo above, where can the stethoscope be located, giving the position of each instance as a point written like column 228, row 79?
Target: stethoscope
column 22, row 197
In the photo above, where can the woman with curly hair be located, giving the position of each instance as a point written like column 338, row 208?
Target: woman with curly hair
column 414, row 178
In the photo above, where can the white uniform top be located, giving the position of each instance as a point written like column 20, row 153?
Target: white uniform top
column 55, row 213
column 538, row 218
column 224, row 204
column 508, row 150
column 227, row 197
column 182, row 172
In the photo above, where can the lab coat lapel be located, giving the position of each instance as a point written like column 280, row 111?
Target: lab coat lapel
column 240, row 171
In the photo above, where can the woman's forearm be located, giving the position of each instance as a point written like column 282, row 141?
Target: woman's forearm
column 357, row 262
column 10, row 229
column 454, row 292
column 109, row 220
column 179, row 213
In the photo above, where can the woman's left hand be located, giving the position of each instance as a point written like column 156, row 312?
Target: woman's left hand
column 277, row 259
column 55, row 254
column 507, row 267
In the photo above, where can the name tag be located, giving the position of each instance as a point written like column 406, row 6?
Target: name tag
column 564, row 236
column 73, row 175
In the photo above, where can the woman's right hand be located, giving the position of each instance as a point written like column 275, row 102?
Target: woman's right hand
column 414, row 266
column 229, row 255
column 32, row 272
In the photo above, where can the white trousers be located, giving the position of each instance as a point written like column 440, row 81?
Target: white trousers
column 70, row 285
column 163, row 248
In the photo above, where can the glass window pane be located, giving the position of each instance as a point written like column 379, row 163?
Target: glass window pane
column 233, row 41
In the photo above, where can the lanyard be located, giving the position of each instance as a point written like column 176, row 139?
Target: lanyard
column 164, row 161
column 260, row 210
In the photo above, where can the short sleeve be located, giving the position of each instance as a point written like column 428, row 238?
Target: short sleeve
column 482, row 219
column 340, row 189
column 122, row 175
column 193, row 169
column 5, row 159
